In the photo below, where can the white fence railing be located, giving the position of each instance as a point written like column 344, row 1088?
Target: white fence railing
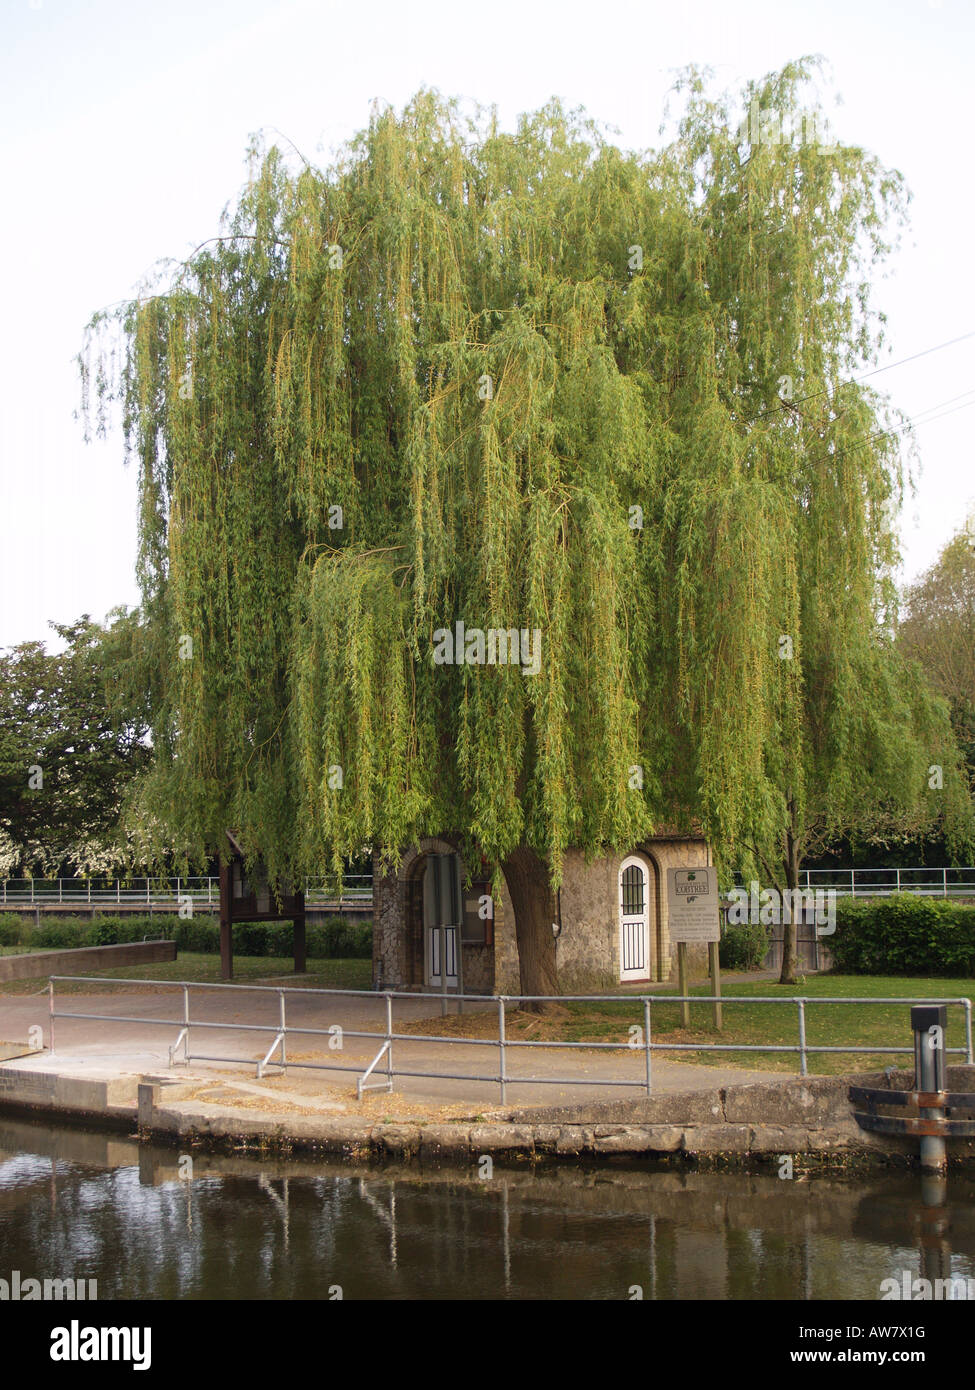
column 356, row 889
column 162, row 892
column 880, row 883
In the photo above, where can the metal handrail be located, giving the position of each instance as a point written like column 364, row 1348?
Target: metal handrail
column 281, row 1029
column 278, row 1042
column 867, row 882
column 357, row 889
column 386, row 1085
column 156, row 892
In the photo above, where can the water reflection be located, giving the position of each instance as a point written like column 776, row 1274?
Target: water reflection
column 74, row 1204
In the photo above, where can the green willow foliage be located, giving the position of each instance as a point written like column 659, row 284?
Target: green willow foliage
column 330, row 350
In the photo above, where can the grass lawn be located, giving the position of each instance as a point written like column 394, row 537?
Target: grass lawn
column 859, row 1023
column 204, row 969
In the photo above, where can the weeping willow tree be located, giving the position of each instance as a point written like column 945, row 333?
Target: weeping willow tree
column 531, row 384
column 809, row 725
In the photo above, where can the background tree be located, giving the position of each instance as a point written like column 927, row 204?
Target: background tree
column 521, row 381
column 810, row 726
column 936, row 649
column 938, row 631
column 936, row 635
column 69, row 747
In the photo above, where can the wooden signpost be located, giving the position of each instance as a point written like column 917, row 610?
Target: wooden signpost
column 248, row 898
column 693, row 915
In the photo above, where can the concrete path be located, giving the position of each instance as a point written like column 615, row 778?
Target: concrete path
column 246, row 1023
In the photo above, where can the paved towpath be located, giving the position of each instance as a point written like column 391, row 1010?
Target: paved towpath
column 248, row 1020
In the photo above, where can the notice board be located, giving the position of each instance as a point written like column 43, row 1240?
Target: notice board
column 693, row 907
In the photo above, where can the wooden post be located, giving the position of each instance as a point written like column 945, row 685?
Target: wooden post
column 685, row 1008
column 299, row 925
column 714, row 965
column 226, row 922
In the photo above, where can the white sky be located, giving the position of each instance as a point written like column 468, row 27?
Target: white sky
column 125, row 124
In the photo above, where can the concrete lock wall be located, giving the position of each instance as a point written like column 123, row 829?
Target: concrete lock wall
column 752, row 1124
column 84, row 959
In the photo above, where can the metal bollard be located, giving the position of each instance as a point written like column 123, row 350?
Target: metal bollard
column 928, row 1023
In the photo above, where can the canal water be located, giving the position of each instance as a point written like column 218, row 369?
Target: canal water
column 147, row 1224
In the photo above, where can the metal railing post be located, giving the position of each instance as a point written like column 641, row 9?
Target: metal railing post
column 501, row 1046
column 389, row 1040
column 944, row 882
column 802, row 1036
column 968, row 1031
column 50, row 998
column 284, row 1027
column 853, row 883
column 646, row 1040
column 929, row 1024
column 898, row 880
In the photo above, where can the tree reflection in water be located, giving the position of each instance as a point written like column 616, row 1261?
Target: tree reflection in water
column 82, row 1205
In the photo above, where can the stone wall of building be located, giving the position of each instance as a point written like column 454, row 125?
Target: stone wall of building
column 507, row 975
column 588, row 950
column 390, row 941
column 589, row 947
column 478, row 963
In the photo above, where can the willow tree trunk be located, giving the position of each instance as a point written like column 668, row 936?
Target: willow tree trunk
column 527, row 878
column 791, row 867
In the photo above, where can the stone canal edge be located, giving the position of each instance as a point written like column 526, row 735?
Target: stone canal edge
column 743, row 1125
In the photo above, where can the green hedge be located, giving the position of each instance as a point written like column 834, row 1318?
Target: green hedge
column 336, row 938
column 903, row 935
column 744, row 946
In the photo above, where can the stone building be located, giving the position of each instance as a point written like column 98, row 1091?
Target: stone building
column 613, row 914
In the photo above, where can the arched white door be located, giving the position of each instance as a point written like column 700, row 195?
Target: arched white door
column 634, row 920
